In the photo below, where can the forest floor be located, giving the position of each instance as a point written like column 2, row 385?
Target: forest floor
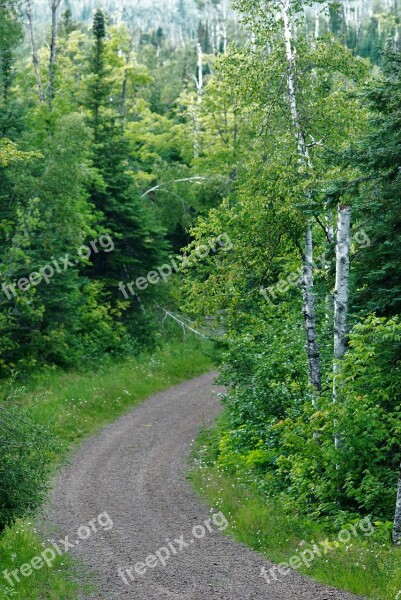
column 147, row 534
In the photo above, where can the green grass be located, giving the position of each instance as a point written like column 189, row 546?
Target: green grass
column 369, row 566
column 77, row 405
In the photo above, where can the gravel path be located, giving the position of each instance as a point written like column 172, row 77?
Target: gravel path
column 134, row 470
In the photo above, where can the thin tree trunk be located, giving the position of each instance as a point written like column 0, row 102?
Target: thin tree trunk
column 310, row 313
column 307, row 255
column 193, row 109
column 199, row 79
column 54, row 5
column 317, row 24
column 397, row 518
column 341, row 294
column 35, row 61
column 195, row 123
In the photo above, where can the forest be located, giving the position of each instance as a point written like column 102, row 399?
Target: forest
column 198, row 183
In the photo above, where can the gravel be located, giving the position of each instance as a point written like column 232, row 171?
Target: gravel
column 135, row 471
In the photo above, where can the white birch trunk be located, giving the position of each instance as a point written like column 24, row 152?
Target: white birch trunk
column 310, row 313
column 199, row 80
column 397, row 518
column 307, row 278
column 35, row 61
column 341, row 294
column 195, row 123
column 54, row 5
column 317, row 24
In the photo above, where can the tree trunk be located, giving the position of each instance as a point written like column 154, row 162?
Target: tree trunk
column 307, row 256
column 310, row 313
column 397, row 518
column 341, row 293
column 195, row 123
column 35, row 61
column 53, row 51
column 199, row 80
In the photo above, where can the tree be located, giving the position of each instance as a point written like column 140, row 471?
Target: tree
column 137, row 235
column 10, row 38
column 54, row 6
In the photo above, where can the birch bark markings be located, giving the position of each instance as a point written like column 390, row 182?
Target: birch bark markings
column 192, row 108
column 310, row 314
column 307, row 273
column 341, row 293
column 397, row 517
column 341, row 296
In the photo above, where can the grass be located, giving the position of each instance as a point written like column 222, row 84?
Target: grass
column 77, row 405
column 367, row 565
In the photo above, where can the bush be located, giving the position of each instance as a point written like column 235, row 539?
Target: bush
column 26, row 451
column 272, row 428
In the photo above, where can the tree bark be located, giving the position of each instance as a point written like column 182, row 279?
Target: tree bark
column 307, row 256
column 195, row 123
column 397, row 518
column 310, row 313
column 54, row 5
column 341, row 295
column 35, row 61
column 199, row 79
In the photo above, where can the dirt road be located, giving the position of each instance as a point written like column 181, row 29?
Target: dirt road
column 134, row 471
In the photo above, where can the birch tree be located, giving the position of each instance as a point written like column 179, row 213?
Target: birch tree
column 35, row 61
column 341, row 293
column 54, row 6
column 397, row 517
column 307, row 256
column 192, row 108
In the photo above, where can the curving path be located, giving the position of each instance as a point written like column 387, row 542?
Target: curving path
column 134, row 470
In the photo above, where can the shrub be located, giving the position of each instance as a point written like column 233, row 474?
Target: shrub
column 26, row 450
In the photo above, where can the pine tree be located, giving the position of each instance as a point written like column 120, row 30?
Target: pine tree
column 138, row 238
column 378, row 156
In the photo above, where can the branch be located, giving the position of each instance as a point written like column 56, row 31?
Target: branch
column 196, row 179
column 183, row 325
column 326, row 232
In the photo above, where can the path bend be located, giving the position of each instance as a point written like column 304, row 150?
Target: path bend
column 134, row 470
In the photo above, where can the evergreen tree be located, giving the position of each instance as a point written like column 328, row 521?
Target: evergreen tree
column 138, row 238
column 378, row 156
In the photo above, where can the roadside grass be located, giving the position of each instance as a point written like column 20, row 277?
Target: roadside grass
column 18, row 545
column 368, row 565
column 76, row 405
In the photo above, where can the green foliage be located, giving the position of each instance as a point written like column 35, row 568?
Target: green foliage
column 332, row 461
column 366, row 566
column 77, row 405
column 26, row 451
column 18, row 545
column 289, row 445
column 131, row 149
column 377, row 156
